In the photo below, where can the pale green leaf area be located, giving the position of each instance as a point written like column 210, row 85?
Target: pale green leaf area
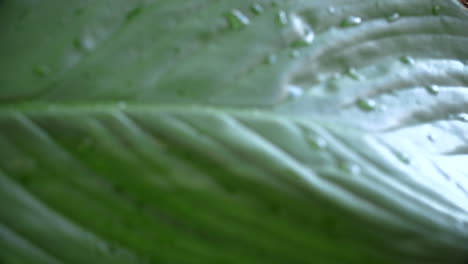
column 228, row 131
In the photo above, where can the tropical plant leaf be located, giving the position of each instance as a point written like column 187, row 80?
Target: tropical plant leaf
column 233, row 131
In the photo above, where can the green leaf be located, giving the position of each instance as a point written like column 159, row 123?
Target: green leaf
column 224, row 131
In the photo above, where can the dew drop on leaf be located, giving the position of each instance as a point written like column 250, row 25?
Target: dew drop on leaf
column 367, row 104
column 305, row 40
column 83, row 43
column 282, row 18
column 336, row 76
column 134, row 13
column 432, row 89
column 403, row 157
column 257, row 8
column 351, row 72
column 271, row 59
column 122, row 105
column 461, row 188
column 351, row 21
column 407, row 60
column 436, row 10
column 237, row 19
column 393, row 17
column 431, row 137
column 309, row 37
column 350, row 168
column 458, row 223
column 295, row 54
column 303, row 32
column 316, row 142
column 41, row 70
column 462, row 117
column 295, row 91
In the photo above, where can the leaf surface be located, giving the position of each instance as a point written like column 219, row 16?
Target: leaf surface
column 233, row 131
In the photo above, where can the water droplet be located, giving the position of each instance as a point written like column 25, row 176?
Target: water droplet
column 303, row 32
column 458, row 223
column 122, row 105
column 132, row 14
column 41, row 70
column 432, row 89
column 83, row 43
column 271, row 59
column 257, row 8
column 332, row 85
column 317, row 142
column 436, row 10
column 351, row 72
column 351, row 21
column 336, row 76
column 350, row 168
column 295, row 91
column 295, row 54
column 393, row 17
column 407, row 59
column 237, row 19
column 282, row 18
column 367, row 104
column 461, row 188
column 403, row 157
column 431, row 138
column 461, row 117
column 383, row 108
column 305, row 40
column 331, row 10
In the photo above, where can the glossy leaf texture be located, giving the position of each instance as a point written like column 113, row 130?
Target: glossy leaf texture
column 229, row 131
